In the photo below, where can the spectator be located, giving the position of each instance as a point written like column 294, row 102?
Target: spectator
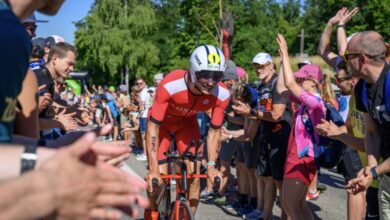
column 228, row 149
column 365, row 57
column 300, row 167
column 144, row 107
column 275, row 115
column 157, row 79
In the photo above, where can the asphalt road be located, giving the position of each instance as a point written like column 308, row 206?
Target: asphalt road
column 330, row 205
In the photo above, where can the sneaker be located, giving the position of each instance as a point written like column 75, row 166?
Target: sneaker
column 142, row 157
column 312, row 196
column 245, row 210
column 220, row 200
column 204, row 195
column 321, row 187
column 255, row 214
column 234, row 206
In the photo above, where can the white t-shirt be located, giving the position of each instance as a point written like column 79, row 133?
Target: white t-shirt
column 145, row 98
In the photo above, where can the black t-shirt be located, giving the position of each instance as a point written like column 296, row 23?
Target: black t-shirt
column 229, row 125
column 44, row 78
column 376, row 107
column 267, row 97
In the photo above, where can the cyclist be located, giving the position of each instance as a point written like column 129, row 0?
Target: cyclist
column 180, row 95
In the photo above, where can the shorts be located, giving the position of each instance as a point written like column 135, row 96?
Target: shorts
column 184, row 131
column 142, row 125
column 117, row 121
column 372, row 209
column 273, row 154
column 251, row 153
column 228, row 150
column 303, row 169
column 350, row 164
column 240, row 153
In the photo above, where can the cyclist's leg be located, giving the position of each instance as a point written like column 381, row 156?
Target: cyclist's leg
column 190, row 131
column 164, row 139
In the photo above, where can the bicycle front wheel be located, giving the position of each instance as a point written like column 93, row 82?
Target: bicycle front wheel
column 184, row 211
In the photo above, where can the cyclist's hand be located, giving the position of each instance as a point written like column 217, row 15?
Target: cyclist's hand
column 149, row 180
column 212, row 174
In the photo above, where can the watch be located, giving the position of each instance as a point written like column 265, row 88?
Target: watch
column 375, row 174
column 29, row 158
column 341, row 26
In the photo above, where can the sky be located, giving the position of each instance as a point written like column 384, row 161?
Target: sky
column 62, row 23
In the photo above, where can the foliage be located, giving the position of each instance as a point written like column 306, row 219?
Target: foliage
column 158, row 35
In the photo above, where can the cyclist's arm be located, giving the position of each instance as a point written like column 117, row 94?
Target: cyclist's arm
column 214, row 133
column 157, row 114
column 152, row 145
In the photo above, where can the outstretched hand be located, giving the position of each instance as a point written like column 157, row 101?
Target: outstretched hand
column 346, row 17
column 283, row 49
column 336, row 19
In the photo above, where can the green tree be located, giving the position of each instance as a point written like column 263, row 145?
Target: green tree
column 115, row 36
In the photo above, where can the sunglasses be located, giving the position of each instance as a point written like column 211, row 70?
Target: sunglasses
column 340, row 80
column 348, row 56
column 215, row 76
column 259, row 66
column 139, row 84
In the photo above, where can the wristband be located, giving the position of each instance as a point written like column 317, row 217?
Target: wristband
column 341, row 26
column 375, row 174
column 211, row 163
column 29, row 158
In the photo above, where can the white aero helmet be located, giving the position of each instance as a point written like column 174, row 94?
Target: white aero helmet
column 206, row 57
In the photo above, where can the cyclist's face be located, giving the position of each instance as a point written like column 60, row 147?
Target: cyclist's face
column 205, row 86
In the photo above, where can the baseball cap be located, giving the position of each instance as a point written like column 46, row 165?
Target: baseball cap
column 230, row 63
column 262, row 58
column 241, row 72
column 52, row 40
column 158, row 76
column 230, row 74
column 152, row 89
column 111, row 88
column 310, row 71
column 304, row 61
column 39, row 41
column 33, row 19
column 123, row 88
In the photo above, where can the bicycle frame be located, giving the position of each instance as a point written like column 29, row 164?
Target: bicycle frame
column 182, row 188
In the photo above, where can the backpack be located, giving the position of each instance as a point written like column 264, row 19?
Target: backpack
column 328, row 152
column 386, row 97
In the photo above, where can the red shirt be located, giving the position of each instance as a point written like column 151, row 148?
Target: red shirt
column 174, row 101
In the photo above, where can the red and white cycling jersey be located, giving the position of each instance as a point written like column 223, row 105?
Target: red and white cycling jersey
column 175, row 102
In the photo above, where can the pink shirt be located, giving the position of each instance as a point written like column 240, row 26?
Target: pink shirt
column 315, row 108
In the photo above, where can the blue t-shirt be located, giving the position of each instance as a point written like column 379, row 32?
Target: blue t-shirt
column 14, row 56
